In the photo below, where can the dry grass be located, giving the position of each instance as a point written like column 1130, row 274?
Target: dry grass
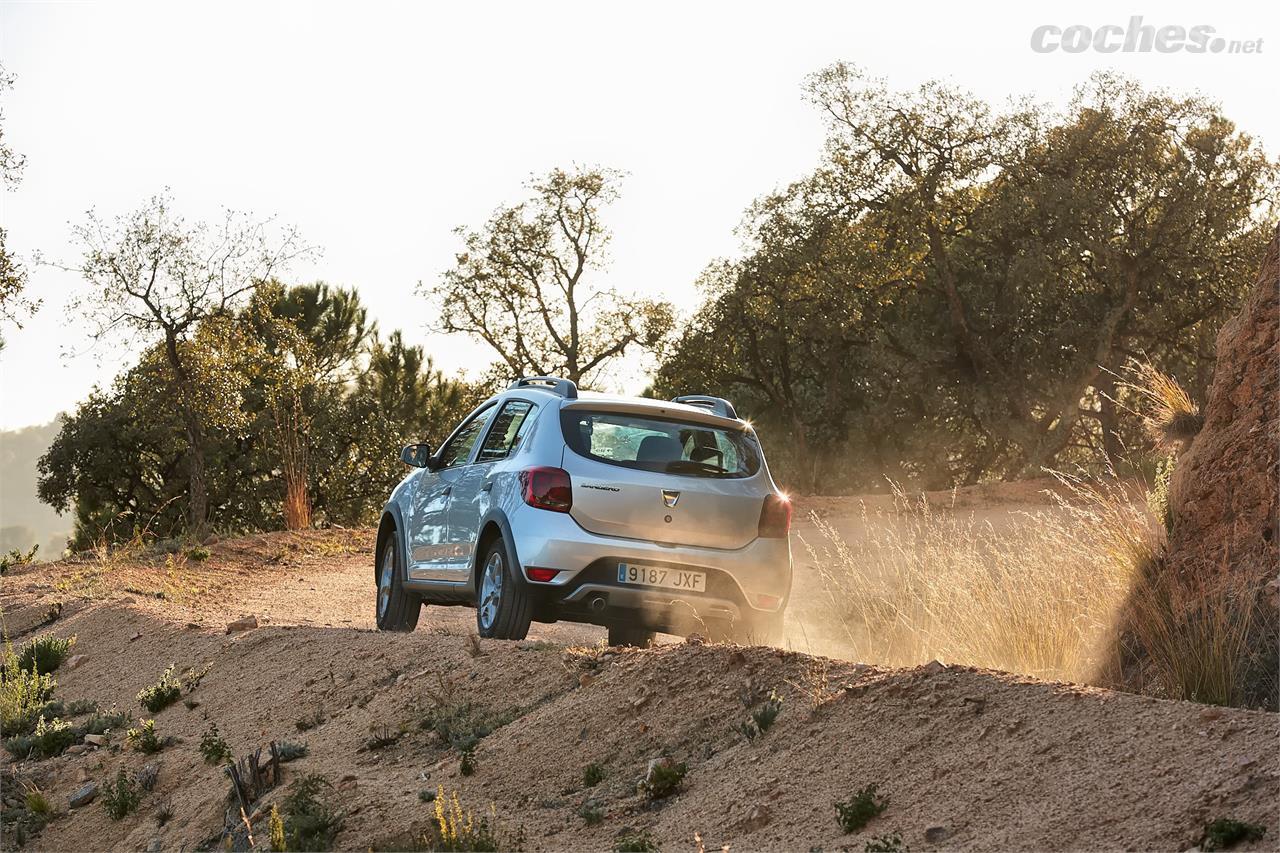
column 1169, row 415
column 1039, row 596
column 1190, row 636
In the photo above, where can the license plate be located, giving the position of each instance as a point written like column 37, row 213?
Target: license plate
column 657, row 576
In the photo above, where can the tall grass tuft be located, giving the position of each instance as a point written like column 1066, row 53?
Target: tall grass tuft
column 1169, row 415
column 1038, row 594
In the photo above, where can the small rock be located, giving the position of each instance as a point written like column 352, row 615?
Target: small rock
column 1211, row 713
column 78, row 748
column 639, row 702
column 153, row 846
column 1246, row 761
column 75, row 660
column 244, row 623
column 136, row 635
column 757, row 818
column 585, row 679
column 934, row 667
column 84, row 796
column 936, row 833
column 96, row 740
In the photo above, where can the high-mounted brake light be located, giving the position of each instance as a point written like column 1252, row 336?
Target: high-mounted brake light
column 775, row 517
column 547, row 488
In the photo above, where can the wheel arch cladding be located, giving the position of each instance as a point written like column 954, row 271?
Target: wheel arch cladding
column 494, row 526
column 389, row 525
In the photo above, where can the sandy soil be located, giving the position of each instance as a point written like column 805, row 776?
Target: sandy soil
column 966, row 758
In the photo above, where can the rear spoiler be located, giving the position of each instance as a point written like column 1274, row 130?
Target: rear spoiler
column 564, row 387
column 716, row 405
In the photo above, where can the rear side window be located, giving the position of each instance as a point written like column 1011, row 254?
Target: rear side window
column 508, row 429
column 658, row 444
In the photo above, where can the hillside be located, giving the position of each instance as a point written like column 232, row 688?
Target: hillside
column 966, row 758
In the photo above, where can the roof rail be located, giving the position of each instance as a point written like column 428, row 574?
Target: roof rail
column 717, row 405
column 564, row 387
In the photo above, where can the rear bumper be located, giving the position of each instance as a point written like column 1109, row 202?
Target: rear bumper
column 742, row 584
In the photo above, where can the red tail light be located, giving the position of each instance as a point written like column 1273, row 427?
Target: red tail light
column 541, row 575
column 775, row 517
column 547, row 488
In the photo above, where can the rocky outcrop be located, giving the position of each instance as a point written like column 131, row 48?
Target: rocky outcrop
column 1224, row 491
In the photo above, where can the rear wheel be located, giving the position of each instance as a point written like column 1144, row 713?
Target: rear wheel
column 504, row 607
column 627, row 635
column 398, row 608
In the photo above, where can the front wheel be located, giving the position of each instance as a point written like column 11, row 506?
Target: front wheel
column 504, row 607
column 398, row 608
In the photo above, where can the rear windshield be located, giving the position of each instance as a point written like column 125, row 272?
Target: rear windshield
column 657, row 444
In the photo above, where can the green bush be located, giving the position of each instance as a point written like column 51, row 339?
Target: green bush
column 17, row 558
column 592, row 775
column 309, row 822
column 46, row 653
column 887, row 843
column 199, row 553
column 214, row 747
column 144, row 738
column 50, row 738
column 858, row 810
column 101, row 723
column 162, row 694
column 1224, row 833
column 290, row 751
column 121, row 797
column 23, row 693
column 663, row 779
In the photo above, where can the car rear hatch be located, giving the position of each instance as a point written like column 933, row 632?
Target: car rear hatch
column 672, row 475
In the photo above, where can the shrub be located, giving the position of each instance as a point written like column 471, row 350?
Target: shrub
column 1224, row 833
column 309, row 822
column 121, row 797
column 456, row 829
column 102, row 723
column 763, row 717
column 162, row 694
column 591, row 813
column 310, row 721
column 23, row 692
column 467, row 766
column 858, row 810
column 36, row 802
column 49, row 738
column 199, row 553
column 278, row 844
column 45, row 653
column 290, row 751
column 592, row 775
column 635, row 842
column 462, row 725
column 214, row 747
column 17, row 558
column 663, row 779
column 144, row 738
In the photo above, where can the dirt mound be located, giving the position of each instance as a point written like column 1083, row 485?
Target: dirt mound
column 1224, row 488
column 965, row 758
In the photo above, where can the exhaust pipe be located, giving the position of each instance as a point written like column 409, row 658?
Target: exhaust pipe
column 597, row 604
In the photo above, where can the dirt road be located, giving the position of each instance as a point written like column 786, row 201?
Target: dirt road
column 966, row 758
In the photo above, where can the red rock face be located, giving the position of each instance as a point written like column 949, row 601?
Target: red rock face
column 1224, row 490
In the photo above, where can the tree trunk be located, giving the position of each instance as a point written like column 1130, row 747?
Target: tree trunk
column 198, row 498
column 1109, row 420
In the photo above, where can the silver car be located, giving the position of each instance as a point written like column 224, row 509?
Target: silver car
column 546, row 504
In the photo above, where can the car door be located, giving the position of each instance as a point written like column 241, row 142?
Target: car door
column 469, row 499
column 430, row 553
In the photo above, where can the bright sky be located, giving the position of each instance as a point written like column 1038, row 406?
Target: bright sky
column 379, row 127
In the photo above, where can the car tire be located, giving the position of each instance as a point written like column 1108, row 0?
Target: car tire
column 628, row 635
column 504, row 607
column 397, row 609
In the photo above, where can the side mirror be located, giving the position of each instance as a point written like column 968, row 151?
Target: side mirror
column 417, row 455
